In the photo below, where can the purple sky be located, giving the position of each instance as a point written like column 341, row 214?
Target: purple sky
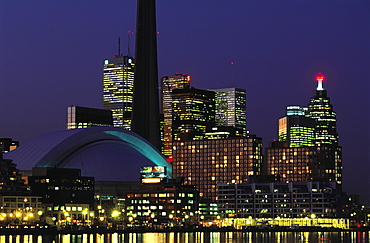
column 52, row 54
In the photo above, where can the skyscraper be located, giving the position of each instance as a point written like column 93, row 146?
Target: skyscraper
column 193, row 113
column 231, row 108
column 307, row 149
column 297, row 130
column 118, row 84
column 322, row 112
column 145, row 119
column 169, row 83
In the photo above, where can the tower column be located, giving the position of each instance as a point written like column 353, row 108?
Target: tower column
column 145, row 120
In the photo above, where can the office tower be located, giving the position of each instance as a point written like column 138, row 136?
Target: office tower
column 297, row 130
column 118, row 84
column 204, row 163
column 231, row 108
column 145, row 120
column 169, row 83
column 193, row 113
column 315, row 163
column 7, row 144
column 322, row 111
column 307, row 149
column 81, row 117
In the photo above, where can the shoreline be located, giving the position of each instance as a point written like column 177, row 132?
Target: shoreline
column 54, row 231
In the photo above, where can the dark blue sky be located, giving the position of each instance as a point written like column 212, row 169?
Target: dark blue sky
column 52, row 53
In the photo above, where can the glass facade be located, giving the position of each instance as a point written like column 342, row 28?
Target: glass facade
column 118, row 84
column 193, row 113
column 297, row 130
column 322, row 112
column 318, row 163
column 205, row 163
column 169, row 83
column 307, row 148
column 82, row 117
column 231, row 108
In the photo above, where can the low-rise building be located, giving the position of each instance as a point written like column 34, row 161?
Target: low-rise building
column 162, row 204
column 283, row 200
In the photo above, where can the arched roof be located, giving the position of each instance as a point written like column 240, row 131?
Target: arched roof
column 107, row 153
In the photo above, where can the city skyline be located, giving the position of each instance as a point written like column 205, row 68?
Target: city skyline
column 50, row 57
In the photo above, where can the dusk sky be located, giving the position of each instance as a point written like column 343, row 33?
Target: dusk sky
column 52, row 54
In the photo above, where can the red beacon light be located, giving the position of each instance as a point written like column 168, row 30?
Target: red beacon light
column 320, row 78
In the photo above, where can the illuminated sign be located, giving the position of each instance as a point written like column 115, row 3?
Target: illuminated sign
column 151, row 180
column 153, row 172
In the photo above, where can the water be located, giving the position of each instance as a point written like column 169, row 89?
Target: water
column 195, row 237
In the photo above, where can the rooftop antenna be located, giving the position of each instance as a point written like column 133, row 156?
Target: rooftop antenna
column 119, row 46
column 232, row 74
column 128, row 42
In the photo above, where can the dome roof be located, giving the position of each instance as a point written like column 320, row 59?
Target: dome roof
column 106, row 153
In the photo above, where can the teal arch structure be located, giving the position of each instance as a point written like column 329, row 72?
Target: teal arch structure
column 144, row 147
column 56, row 149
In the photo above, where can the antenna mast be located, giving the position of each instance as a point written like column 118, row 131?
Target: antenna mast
column 232, row 74
column 119, row 46
column 128, row 43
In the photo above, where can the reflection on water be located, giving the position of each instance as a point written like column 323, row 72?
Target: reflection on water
column 194, row 237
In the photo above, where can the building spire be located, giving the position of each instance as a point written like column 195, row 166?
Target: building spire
column 320, row 78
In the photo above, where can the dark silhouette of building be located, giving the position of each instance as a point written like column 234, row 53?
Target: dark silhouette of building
column 145, row 120
column 7, row 144
column 59, row 186
column 11, row 182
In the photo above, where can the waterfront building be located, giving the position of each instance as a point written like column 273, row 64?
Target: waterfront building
column 231, row 108
column 118, row 85
column 20, row 209
column 204, row 163
column 279, row 200
column 208, row 211
column 67, row 196
column 162, row 203
column 7, row 144
column 169, row 83
column 321, row 110
column 145, row 117
column 82, row 117
column 193, row 113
